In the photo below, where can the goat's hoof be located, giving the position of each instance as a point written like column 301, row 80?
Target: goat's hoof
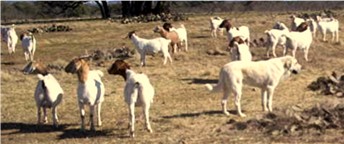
column 226, row 113
column 242, row 115
column 150, row 130
column 132, row 135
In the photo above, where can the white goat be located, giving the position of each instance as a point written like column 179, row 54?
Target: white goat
column 313, row 26
column 48, row 93
column 241, row 31
column 215, row 26
column 240, row 50
column 29, row 45
column 138, row 91
column 295, row 22
column 275, row 37
column 150, row 47
column 10, row 37
column 301, row 38
column 181, row 31
column 331, row 25
column 90, row 89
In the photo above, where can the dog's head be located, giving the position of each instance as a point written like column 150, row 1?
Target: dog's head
column 291, row 64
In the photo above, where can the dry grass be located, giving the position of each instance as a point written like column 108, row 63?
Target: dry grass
column 182, row 112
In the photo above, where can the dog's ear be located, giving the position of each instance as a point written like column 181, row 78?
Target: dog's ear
column 287, row 63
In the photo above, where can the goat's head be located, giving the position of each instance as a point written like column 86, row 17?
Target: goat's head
column 35, row 67
column 76, row 64
column 302, row 27
column 225, row 24
column 24, row 34
column 167, row 26
column 119, row 67
column 235, row 41
column 158, row 29
column 130, row 34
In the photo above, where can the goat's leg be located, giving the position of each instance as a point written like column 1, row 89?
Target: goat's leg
column 82, row 115
column 186, row 45
column 143, row 59
column 27, row 57
column 268, row 51
column 55, row 118
column 324, row 35
column 132, row 119
column 337, row 36
column 284, row 50
column 305, row 52
column 98, row 114
column 274, row 49
column 39, row 114
column 294, row 52
column 45, row 115
column 166, row 55
column 92, row 118
column 146, row 114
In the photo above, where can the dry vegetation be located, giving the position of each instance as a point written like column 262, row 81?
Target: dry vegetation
column 183, row 111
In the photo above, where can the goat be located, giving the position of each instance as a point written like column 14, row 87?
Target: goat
column 239, row 50
column 241, row 31
column 48, row 93
column 301, row 38
column 150, row 47
column 275, row 37
column 90, row 89
column 214, row 26
column 29, row 45
column 172, row 35
column 295, row 22
column 181, row 31
column 10, row 37
column 331, row 25
column 313, row 26
column 138, row 91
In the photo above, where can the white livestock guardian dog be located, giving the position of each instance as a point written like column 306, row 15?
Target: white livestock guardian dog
column 262, row 74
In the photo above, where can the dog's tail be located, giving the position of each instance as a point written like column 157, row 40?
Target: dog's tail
column 219, row 86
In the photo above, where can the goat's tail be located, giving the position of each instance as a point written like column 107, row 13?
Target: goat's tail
column 182, row 26
column 219, row 86
column 267, row 32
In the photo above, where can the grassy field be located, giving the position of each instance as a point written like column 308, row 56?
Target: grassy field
column 183, row 110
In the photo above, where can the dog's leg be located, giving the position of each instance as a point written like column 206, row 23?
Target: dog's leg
column 237, row 100
column 226, row 93
column 270, row 93
column 264, row 100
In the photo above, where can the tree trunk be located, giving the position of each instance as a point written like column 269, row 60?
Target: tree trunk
column 101, row 8
column 106, row 9
column 126, row 9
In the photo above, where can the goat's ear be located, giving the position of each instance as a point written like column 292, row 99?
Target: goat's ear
column 40, row 77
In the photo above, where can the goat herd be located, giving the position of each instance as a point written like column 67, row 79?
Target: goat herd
column 138, row 90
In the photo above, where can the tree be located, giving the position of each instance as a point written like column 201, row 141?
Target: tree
column 136, row 8
column 104, row 8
